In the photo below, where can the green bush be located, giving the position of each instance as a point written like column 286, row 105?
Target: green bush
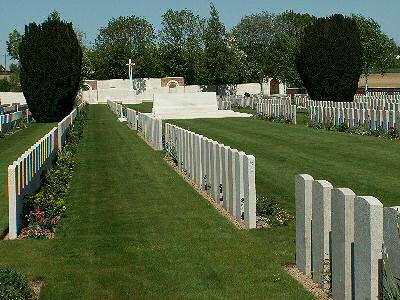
column 269, row 211
column 14, row 285
column 51, row 63
column 330, row 59
column 5, row 85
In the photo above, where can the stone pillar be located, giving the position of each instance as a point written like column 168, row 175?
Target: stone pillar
column 321, row 227
column 220, row 169
column 214, row 173
column 236, row 208
column 249, row 184
column 190, row 155
column 368, row 240
column 232, row 181
column 209, row 166
column 198, row 159
column 12, row 200
column 225, row 175
column 391, row 238
column 303, row 192
column 342, row 242
column 204, row 162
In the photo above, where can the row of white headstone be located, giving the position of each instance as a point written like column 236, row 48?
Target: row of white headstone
column 228, row 175
column 342, row 234
column 241, row 101
column 116, row 108
column 224, row 104
column 11, row 120
column 151, row 130
column 360, row 101
column 269, row 109
column 25, row 174
column 372, row 103
column 366, row 118
column 301, row 100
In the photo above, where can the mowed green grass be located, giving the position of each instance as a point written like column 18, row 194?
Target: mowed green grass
column 145, row 107
column 11, row 147
column 367, row 165
column 135, row 229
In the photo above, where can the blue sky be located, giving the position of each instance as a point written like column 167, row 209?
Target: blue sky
column 89, row 15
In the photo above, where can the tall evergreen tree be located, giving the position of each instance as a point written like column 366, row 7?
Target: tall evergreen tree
column 222, row 59
column 51, row 63
column 330, row 59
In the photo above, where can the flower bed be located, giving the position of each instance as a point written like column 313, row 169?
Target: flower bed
column 44, row 210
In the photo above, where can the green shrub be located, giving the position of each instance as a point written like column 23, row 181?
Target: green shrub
column 14, row 285
column 269, row 211
column 5, row 85
column 330, row 59
column 51, row 63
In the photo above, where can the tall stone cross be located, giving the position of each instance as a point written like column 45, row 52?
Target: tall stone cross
column 130, row 65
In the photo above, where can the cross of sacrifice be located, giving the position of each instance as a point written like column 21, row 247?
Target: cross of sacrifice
column 130, row 65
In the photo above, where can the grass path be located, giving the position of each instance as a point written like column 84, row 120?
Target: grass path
column 11, row 147
column 135, row 229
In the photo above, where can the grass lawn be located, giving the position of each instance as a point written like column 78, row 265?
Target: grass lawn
column 367, row 165
column 145, row 107
column 11, row 147
column 135, row 229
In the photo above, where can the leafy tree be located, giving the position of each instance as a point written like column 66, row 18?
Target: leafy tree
column 15, row 85
column 14, row 39
column 135, row 37
column 253, row 35
column 222, row 60
column 379, row 51
column 330, row 59
column 281, row 59
column 181, row 44
column 51, row 62
column 259, row 34
column 110, row 61
column 5, row 85
column 293, row 24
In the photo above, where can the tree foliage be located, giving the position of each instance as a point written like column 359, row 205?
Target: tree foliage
column 222, row 59
column 14, row 39
column 51, row 62
column 379, row 51
column 253, row 36
column 124, row 38
column 330, row 59
column 281, row 59
column 181, row 44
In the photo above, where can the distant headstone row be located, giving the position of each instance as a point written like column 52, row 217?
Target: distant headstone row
column 224, row 104
column 24, row 175
column 149, row 128
column 366, row 118
column 252, row 100
column 342, row 235
column 12, row 120
column 228, row 175
column 277, row 109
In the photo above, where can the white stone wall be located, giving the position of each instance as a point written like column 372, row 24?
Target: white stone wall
column 167, row 103
column 145, row 88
